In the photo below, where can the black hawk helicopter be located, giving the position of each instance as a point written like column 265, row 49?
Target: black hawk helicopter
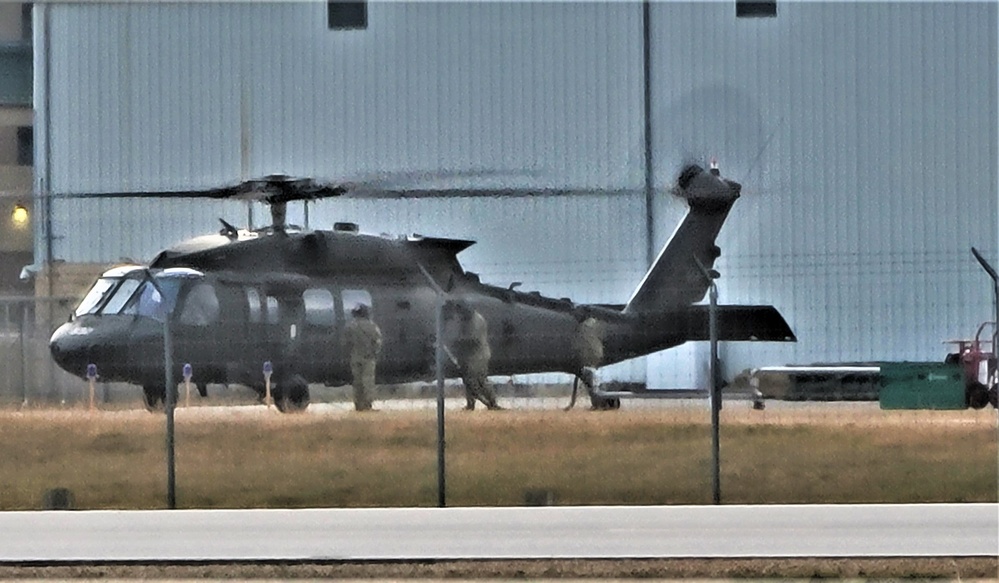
column 283, row 295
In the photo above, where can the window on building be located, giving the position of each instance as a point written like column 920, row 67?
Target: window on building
column 347, row 14
column 26, row 21
column 25, row 146
column 755, row 8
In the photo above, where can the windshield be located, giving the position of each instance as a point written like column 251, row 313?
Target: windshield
column 96, row 296
column 150, row 302
column 121, row 295
column 136, row 296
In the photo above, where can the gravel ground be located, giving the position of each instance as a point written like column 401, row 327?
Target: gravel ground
column 982, row 569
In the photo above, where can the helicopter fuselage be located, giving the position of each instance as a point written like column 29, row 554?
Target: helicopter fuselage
column 228, row 303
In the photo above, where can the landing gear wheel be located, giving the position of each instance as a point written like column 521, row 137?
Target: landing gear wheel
column 292, row 395
column 976, row 395
column 994, row 396
column 605, row 403
column 154, row 398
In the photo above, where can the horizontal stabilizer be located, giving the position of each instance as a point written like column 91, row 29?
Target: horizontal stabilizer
column 737, row 323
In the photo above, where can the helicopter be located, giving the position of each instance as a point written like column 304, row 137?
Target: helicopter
column 284, row 295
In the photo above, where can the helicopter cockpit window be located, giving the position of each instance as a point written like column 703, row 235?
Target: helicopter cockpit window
column 319, row 306
column 96, row 296
column 121, row 296
column 201, row 306
column 148, row 301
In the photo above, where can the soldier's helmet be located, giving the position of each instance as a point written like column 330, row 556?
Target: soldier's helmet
column 361, row 311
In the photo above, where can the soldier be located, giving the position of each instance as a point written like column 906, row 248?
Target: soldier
column 589, row 348
column 472, row 353
column 364, row 343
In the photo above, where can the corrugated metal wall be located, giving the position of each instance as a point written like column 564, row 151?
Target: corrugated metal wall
column 865, row 135
column 169, row 93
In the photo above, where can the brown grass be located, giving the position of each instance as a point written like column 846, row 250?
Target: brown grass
column 249, row 457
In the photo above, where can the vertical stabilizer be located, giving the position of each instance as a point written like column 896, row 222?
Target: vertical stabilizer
column 675, row 278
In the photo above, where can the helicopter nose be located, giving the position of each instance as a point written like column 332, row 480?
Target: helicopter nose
column 70, row 348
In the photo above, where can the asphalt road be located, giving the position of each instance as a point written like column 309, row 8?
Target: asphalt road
column 954, row 530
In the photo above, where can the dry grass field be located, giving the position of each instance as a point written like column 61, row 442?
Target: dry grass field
column 242, row 457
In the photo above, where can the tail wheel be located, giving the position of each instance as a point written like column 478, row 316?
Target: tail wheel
column 292, row 395
column 153, row 397
column 976, row 395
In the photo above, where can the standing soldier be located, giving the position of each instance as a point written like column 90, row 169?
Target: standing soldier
column 364, row 343
column 472, row 353
column 589, row 348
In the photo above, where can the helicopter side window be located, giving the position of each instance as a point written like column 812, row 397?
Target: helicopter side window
column 353, row 297
column 273, row 310
column 121, row 296
column 201, row 306
column 319, row 307
column 253, row 302
column 96, row 296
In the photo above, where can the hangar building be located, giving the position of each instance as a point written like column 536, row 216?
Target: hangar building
column 865, row 136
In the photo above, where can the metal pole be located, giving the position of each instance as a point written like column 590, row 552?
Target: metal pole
column 171, row 394
column 715, row 389
column 647, row 104
column 439, row 365
column 24, row 368
column 171, row 402
column 715, row 393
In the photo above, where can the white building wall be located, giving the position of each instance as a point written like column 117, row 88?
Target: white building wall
column 865, row 136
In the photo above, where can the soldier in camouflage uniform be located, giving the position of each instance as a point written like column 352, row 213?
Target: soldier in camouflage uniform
column 587, row 343
column 364, row 343
column 472, row 353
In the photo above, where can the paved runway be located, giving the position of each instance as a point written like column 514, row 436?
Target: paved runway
column 501, row 533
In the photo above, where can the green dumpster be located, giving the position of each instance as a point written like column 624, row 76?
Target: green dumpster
column 921, row 385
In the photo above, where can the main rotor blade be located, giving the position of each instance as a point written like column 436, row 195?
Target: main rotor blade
column 499, row 192
column 281, row 188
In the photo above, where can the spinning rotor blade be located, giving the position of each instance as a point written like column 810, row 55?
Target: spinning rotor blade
column 281, row 188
